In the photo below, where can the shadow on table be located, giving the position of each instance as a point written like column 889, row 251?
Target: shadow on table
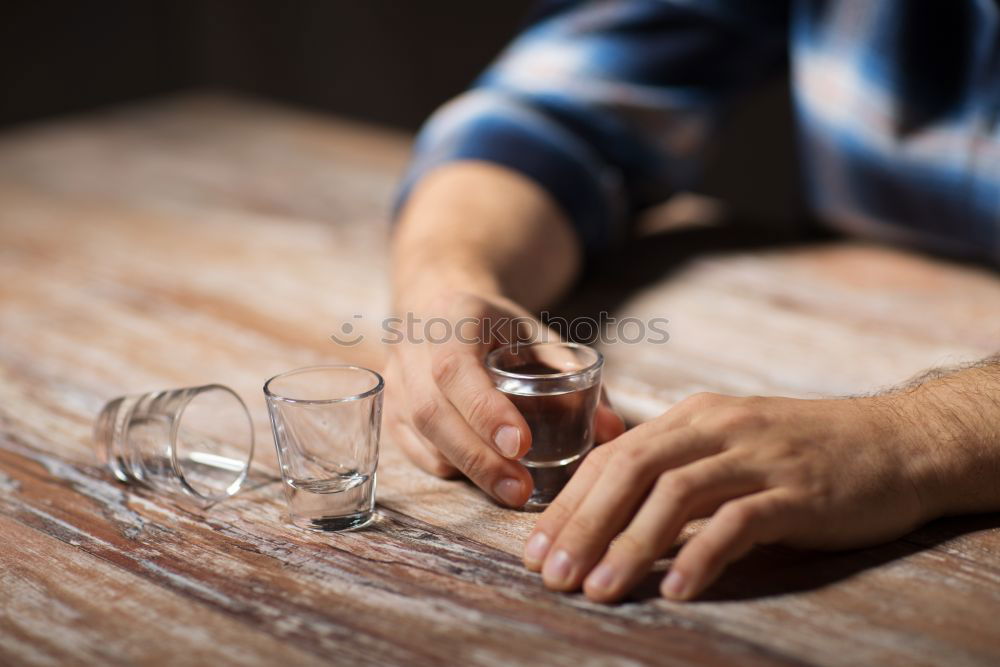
column 773, row 570
column 612, row 279
column 644, row 260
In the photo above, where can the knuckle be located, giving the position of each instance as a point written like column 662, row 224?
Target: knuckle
column 424, row 415
column 739, row 514
column 820, row 490
column 633, row 548
column 674, row 487
column 472, row 461
column 701, row 400
column 479, row 408
column 596, row 459
column 446, row 367
column 581, row 525
column 741, row 417
column 626, row 457
column 786, row 455
column 632, row 460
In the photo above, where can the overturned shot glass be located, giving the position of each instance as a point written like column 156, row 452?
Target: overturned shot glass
column 326, row 422
column 556, row 387
column 194, row 444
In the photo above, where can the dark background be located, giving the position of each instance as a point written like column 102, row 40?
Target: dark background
column 387, row 61
column 384, row 61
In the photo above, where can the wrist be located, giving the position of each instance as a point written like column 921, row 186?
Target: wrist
column 421, row 277
column 915, row 438
column 488, row 230
column 950, row 458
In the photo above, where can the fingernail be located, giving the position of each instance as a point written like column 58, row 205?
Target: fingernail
column 509, row 491
column 507, row 440
column 601, row 578
column 675, row 585
column 536, row 548
column 557, row 568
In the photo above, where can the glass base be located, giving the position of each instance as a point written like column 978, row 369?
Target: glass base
column 538, row 502
column 334, row 524
column 548, row 481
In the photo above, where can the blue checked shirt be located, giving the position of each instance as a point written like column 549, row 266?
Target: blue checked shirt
column 609, row 105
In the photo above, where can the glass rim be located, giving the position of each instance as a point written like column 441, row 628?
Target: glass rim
column 375, row 389
column 237, row 483
column 593, row 366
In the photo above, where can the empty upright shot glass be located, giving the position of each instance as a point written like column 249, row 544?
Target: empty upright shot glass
column 326, row 422
column 556, row 387
column 194, row 444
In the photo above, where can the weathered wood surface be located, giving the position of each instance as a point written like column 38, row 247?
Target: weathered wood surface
column 210, row 240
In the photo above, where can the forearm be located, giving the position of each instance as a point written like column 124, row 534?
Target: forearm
column 957, row 414
column 477, row 227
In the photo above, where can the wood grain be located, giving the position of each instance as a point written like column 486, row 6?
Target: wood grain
column 206, row 239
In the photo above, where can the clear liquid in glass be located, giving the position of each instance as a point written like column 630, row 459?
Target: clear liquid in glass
column 560, row 414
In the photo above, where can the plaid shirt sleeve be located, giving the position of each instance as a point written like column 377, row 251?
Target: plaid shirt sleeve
column 607, row 104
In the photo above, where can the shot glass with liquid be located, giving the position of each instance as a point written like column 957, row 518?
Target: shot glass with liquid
column 556, row 387
column 326, row 422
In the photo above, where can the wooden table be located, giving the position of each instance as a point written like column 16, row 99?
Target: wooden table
column 206, row 239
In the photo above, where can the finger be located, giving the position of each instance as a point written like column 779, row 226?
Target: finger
column 461, row 377
column 761, row 518
column 556, row 356
column 439, row 422
column 623, row 483
column 536, row 547
column 678, row 496
column 608, row 424
column 556, row 515
column 421, row 452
